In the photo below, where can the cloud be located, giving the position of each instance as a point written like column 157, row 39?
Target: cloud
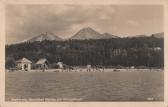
column 29, row 20
column 26, row 21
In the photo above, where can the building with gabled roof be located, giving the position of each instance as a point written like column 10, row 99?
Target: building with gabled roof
column 24, row 64
column 42, row 63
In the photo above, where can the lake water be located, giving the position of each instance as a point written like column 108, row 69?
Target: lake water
column 85, row 86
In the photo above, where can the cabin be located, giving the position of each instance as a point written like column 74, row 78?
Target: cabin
column 24, row 64
column 132, row 67
column 60, row 65
column 42, row 63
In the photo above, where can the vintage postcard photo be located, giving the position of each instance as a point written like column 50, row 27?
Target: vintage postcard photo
column 84, row 53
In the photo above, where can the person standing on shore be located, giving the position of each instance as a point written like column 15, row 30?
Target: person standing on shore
column 44, row 67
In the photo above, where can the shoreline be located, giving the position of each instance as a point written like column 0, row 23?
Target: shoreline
column 92, row 70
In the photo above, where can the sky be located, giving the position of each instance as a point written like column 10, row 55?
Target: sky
column 26, row 21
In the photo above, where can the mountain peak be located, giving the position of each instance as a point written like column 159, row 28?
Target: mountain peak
column 86, row 33
column 87, row 28
column 45, row 36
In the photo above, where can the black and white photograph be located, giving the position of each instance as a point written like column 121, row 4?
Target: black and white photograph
column 84, row 53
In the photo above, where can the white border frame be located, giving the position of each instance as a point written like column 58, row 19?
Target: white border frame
column 3, row 103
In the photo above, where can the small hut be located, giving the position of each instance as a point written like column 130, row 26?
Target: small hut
column 60, row 65
column 24, row 64
column 42, row 63
column 88, row 68
column 132, row 67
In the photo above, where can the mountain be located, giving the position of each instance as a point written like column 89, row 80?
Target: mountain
column 89, row 33
column 45, row 36
column 108, row 36
column 86, row 33
column 158, row 35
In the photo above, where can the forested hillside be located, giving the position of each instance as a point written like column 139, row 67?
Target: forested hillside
column 136, row 51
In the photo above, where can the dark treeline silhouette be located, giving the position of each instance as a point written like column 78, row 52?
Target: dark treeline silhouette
column 137, row 51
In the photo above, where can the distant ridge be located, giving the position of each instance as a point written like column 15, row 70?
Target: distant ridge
column 108, row 36
column 158, row 35
column 45, row 36
column 84, row 34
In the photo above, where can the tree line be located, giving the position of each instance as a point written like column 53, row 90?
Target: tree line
column 136, row 51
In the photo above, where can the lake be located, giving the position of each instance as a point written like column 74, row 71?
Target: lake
column 85, row 86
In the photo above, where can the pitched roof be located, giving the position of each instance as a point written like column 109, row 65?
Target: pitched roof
column 23, row 60
column 42, row 61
